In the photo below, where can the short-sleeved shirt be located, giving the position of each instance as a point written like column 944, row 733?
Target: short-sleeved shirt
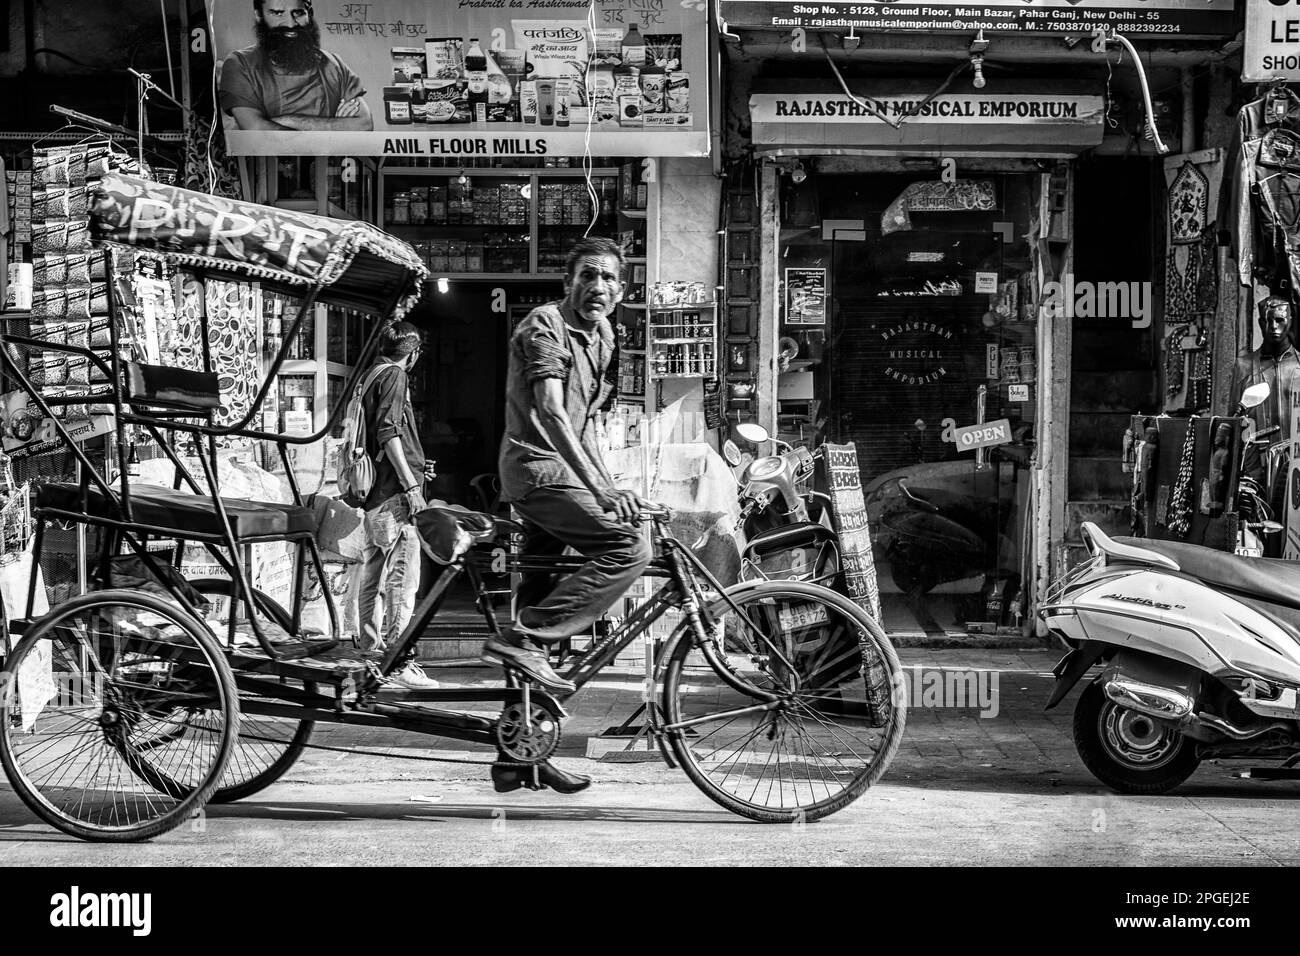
column 387, row 407
column 249, row 79
column 550, row 344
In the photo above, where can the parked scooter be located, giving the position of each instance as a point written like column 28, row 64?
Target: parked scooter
column 783, row 520
column 1200, row 655
column 785, row 524
column 1257, row 526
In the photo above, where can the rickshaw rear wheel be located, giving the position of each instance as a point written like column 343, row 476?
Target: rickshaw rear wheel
column 91, row 687
column 267, row 745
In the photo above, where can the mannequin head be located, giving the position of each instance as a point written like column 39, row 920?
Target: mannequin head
column 1275, row 322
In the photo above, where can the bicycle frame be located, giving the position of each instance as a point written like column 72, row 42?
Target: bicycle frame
column 678, row 564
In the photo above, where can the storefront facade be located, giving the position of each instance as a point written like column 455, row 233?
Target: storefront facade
column 930, row 278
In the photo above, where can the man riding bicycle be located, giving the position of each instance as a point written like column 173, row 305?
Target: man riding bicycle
column 554, row 476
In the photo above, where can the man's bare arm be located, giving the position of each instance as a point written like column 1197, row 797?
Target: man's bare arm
column 353, row 114
column 548, row 396
column 248, row 118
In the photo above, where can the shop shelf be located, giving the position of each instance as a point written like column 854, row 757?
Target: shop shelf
column 684, row 306
column 633, row 213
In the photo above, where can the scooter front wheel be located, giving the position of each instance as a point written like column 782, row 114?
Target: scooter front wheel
column 1128, row 751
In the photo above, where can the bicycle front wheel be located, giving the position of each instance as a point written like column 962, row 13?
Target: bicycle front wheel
column 800, row 711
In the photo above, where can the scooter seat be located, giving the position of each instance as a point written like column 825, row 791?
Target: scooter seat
column 802, row 535
column 1270, row 579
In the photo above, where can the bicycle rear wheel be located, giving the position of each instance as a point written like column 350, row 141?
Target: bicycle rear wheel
column 785, row 732
column 268, row 745
column 89, row 735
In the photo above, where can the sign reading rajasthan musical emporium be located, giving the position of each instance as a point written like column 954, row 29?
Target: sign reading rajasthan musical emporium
column 462, row 78
column 1167, row 19
column 1053, row 118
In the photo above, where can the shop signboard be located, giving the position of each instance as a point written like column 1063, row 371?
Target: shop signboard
column 805, row 296
column 971, row 437
column 1165, row 19
column 453, row 79
column 27, row 432
column 1058, row 117
column 1272, row 41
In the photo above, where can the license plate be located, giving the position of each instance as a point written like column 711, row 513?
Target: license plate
column 802, row 615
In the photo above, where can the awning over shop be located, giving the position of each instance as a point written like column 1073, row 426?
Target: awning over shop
column 1038, row 118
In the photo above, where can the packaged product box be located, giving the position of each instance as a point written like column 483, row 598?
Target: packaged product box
column 438, row 255
column 474, row 257
column 456, row 256
column 627, row 186
column 666, row 120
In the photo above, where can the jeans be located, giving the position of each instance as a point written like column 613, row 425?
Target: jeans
column 617, row 553
column 390, row 569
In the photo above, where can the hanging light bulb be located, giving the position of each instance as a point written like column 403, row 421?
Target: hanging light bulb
column 798, row 174
column 443, row 285
column 977, row 65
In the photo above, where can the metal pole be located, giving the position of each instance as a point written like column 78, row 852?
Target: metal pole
column 981, row 397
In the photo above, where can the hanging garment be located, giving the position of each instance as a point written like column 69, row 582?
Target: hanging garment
column 1180, row 498
column 1188, row 203
column 1191, row 269
column 1259, row 204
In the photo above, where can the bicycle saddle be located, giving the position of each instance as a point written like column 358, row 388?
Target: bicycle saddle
column 448, row 531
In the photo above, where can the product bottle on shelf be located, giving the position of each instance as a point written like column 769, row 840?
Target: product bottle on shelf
column 633, row 47
column 476, row 77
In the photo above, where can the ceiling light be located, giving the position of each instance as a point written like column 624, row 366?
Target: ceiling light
column 443, row 285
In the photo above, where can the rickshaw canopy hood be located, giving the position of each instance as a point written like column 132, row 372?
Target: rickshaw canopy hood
column 351, row 264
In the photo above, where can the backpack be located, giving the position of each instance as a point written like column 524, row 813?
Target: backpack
column 354, row 469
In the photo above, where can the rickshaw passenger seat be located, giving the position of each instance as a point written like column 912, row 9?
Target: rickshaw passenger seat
column 183, row 512
column 175, row 388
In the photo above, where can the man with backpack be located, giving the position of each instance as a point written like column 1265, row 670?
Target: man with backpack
column 391, row 495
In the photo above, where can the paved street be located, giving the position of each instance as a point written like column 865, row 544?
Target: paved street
column 963, row 790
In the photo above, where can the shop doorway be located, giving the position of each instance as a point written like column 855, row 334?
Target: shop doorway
column 926, row 335
column 458, row 393
column 459, row 388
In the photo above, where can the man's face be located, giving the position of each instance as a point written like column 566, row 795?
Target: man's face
column 594, row 288
column 1275, row 323
column 289, row 34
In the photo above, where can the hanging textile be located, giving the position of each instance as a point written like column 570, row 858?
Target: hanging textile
column 232, row 312
column 1191, row 273
column 1180, row 499
column 217, row 178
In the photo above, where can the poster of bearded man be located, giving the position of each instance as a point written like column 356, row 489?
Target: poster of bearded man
column 285, row 81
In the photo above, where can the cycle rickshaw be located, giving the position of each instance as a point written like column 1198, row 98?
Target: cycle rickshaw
column 125, row 710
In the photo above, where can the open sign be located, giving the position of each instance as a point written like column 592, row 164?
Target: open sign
column 983, row 436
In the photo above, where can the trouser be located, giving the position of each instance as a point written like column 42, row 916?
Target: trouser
column 389, row 575
column 567, row 515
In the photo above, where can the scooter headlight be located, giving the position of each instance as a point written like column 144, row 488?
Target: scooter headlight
column 761, row 469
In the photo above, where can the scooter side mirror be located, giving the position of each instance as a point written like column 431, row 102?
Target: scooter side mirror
column 731, row 453
column 752, row 432
column 1254, row 395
